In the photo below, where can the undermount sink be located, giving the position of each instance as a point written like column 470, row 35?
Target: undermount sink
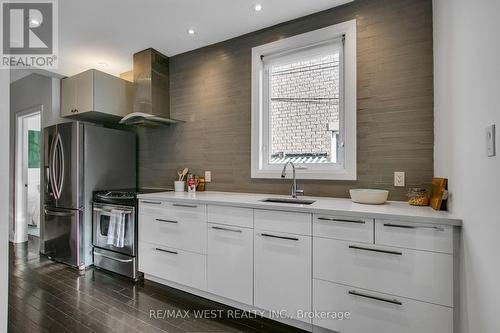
column 290, row 201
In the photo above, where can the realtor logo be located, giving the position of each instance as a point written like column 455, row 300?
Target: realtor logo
column 29, row 34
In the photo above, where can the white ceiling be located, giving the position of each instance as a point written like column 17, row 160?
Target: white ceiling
column 111, row 31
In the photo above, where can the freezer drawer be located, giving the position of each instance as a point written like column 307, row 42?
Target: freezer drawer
column 63, row 236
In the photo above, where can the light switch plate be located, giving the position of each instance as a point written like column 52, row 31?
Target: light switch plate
column 399, row 179
column 490, row 140
column 208, row 176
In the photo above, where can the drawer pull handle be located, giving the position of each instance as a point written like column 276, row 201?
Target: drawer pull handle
column 227, row 229
column 355, row 247
column 280, row 237
column 341, row 220
column 166, row 221
column 392, row 301
column 404, row 226
column 151, row 202
column 185, row 206
column 166, row 251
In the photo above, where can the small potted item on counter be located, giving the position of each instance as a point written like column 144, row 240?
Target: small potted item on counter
column 418, row 197
column 201, row 184
column 192, row 183
column 180, row 184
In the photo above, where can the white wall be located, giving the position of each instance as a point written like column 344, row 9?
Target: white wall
column 25, row 93
column 4, row 196
column 467, row 99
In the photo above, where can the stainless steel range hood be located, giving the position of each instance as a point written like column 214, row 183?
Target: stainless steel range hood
column 151, row 91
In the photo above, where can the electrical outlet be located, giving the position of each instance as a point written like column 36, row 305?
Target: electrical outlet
column 399, row 179
column 208, row 176
column 490, row 141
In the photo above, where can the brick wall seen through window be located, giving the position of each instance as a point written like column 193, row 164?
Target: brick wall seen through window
column 305, row 109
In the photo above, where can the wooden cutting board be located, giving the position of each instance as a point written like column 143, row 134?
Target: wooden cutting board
column 439, row 193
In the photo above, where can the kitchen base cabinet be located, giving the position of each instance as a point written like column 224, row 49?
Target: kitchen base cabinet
column 422, row 275
column 282, row 277
column 185, row 234
column 320, row 271
column 230, row 262
column 377, row 313
column 175, row 265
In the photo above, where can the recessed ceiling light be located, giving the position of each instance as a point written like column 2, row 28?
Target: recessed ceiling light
column 35, row 23
column 257, row 7
column 191, row 31
column 103, row 64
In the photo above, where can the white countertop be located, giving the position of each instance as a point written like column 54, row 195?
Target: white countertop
column 345, row 207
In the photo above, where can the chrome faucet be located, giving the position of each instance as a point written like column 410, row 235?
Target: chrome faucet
column 295, row 189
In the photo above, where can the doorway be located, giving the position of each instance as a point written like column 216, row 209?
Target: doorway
column 28, row 157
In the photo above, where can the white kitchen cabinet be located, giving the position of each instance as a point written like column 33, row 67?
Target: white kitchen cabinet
column 420, row 236
column 230, row 262
column 165, row 229
column 289, row 222
column 282, row 277
column 421, row 275
column 391, row 275
column 183, row 267
column 237, row 216
column 377, row 312
column 178, row 225
column 343, row 227
column 95, row 96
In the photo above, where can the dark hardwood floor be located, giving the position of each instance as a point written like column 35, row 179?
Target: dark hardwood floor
column 50, row 297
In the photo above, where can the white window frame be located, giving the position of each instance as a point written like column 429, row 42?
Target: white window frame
column 260, row 119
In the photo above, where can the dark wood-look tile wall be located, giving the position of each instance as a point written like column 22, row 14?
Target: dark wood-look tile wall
column 210, row 90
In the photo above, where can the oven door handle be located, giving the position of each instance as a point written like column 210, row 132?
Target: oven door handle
column 101, row 210
column 112, row 258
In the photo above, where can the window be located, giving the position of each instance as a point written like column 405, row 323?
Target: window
column 304, row 104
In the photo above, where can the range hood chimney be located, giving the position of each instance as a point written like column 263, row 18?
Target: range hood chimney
column 151, row 91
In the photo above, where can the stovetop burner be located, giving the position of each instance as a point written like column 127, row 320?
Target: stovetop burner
column 118, row 197
column 116, row 194
column 125, row 197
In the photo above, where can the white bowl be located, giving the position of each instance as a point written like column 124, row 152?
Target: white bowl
column 369, row 196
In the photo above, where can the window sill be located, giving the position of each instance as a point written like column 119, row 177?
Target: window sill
column 307, row 174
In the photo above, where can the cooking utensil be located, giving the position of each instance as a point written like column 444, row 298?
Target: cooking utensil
column 184, row 173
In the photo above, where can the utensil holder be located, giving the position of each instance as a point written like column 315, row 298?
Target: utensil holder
column 179, row 186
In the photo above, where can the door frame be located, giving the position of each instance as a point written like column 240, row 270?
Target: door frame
column 20, row 226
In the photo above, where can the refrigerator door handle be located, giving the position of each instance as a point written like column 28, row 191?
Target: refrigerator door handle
column 61, row 165
column 52, row 154
column 56, row 213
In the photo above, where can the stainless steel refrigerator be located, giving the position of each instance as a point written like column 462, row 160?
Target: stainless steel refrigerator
column 80, row 158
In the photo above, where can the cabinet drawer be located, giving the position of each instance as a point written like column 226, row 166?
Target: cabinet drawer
column 183, row 267
column 418, row 236
column 282, row 264
column 289, row 222
column 378, row 313
column 237, row 216
column 169, row 230
column 173, row 209
column 151, row 207
column 342, row 227
column 230, row 262
column 422, row 275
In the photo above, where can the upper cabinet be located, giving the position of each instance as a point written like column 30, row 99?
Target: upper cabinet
column 96, row 96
